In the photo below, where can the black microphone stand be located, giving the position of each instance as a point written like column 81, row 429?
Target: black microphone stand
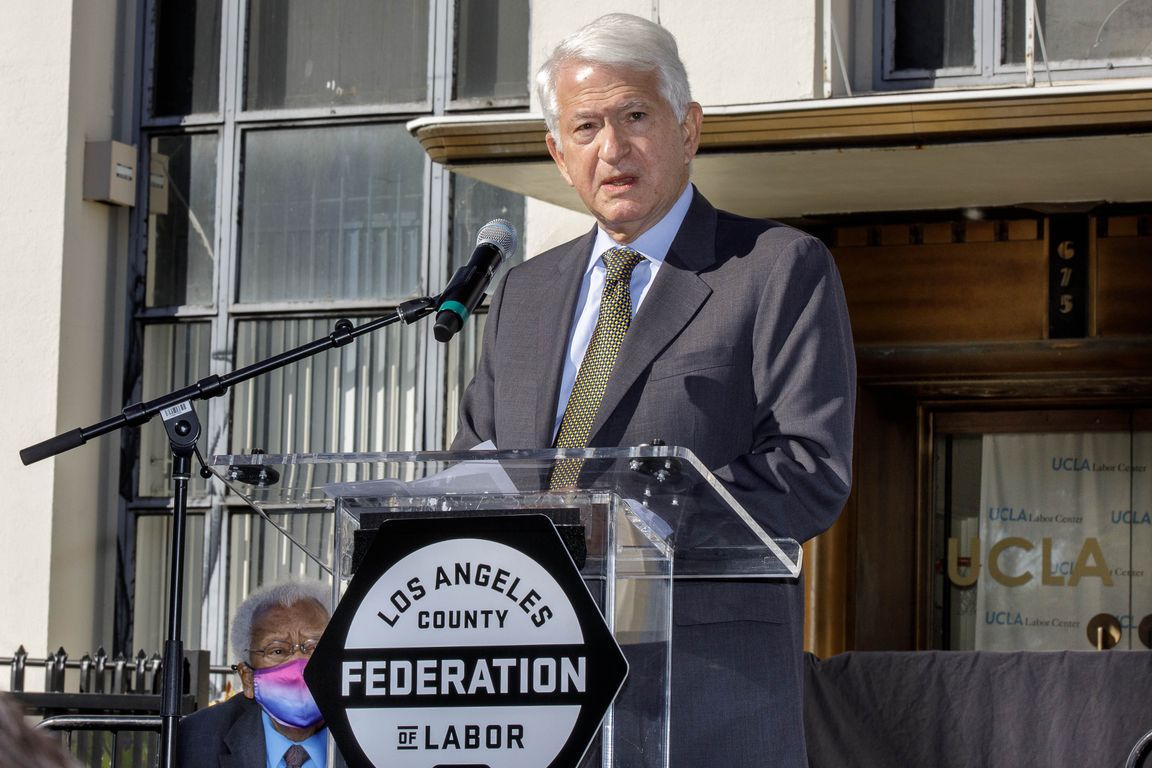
column 183, row 429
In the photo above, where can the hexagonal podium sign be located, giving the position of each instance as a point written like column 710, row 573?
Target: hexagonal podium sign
column 466, row 642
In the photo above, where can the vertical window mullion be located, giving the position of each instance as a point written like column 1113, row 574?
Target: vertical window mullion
column 435, row 266
column 214, row 609
column 985, row 39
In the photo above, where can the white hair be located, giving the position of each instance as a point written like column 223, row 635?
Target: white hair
column 285, row 593
column 618, row 40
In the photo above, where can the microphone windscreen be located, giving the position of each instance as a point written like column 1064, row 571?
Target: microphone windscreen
column 499, row 233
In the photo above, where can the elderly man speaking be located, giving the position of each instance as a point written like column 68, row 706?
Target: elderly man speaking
column 671, row 319
column 275, row 723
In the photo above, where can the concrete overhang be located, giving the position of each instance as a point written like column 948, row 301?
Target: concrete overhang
column 1070, row 146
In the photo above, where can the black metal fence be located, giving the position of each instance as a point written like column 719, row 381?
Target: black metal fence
column 106, row 710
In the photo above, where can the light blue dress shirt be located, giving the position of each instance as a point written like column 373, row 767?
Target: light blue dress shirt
column 276, row 744
column 653, row 245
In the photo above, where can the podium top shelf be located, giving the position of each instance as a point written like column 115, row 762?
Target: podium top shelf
column 666, row 487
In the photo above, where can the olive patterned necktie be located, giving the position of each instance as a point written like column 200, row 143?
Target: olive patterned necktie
column 591, row 380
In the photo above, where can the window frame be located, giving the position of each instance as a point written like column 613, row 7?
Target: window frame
column 455, row 103
column 987, row 69
column 231, row 123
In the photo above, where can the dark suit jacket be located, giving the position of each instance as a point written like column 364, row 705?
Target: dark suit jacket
column 228, row 735
column 741, row 352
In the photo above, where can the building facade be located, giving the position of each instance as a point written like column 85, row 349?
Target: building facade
column 978, row 168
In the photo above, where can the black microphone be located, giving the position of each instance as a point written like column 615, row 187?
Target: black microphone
column 496, row 242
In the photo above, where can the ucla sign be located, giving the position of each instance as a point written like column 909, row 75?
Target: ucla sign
column 1059, row 554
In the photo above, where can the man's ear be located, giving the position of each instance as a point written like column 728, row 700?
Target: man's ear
column 691, row 128
column 557, row 157
column 246, row 683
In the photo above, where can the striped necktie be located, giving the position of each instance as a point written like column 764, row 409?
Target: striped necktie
column 596, row 367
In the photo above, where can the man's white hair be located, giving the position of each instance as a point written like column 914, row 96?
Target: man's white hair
column 285, row 593
column 618, row 40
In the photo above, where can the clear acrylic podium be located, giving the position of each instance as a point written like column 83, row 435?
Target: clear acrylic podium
column 639, row 519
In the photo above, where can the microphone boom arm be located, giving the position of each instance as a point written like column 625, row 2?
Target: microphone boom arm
column 344, row 332
column 183, row 429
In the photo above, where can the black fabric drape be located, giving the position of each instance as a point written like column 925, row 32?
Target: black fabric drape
column 966, row 709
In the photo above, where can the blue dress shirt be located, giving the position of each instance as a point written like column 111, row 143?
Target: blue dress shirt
column 276, row 744
column 653, row 244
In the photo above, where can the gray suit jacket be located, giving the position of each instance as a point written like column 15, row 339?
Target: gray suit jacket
column 741, row 352
column 228, row 735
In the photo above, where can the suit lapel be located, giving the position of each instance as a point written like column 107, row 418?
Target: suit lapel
column 245, row 740
column 672, row 301
column 553, row 307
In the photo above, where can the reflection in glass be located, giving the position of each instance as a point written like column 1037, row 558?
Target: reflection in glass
column 331, row 213
column 175, row 355
column 360, row 397
column 303, row 53
column 1081, row 30
column 931, row 34
column 186, row 69
column 182, row 221
column 492, row 50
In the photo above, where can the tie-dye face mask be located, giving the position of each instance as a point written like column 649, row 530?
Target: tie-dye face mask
column 283, row 694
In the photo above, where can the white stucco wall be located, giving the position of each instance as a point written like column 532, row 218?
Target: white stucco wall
column 749, row 51
column 34, row 73
column 92, row 327
column 61, row 358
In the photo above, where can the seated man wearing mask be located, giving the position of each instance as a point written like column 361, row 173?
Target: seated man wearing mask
column 275, row 723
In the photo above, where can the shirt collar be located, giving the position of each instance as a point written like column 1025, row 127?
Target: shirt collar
column 655, row 242
column 276, row 743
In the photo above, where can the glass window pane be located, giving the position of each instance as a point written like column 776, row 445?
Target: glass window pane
column 360, row 397
column 1042, row 540
column 259, row 553
column 956, row 508
column 1015, row 31
column 150, row 598
column 186, row 73
column 175, row 355
column 331, row 213
column 181, row 221
column 934, row 34
column 1082, row 30
column 304, row 53
column 492, row 50
column 463, row 352
column 474, row 204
